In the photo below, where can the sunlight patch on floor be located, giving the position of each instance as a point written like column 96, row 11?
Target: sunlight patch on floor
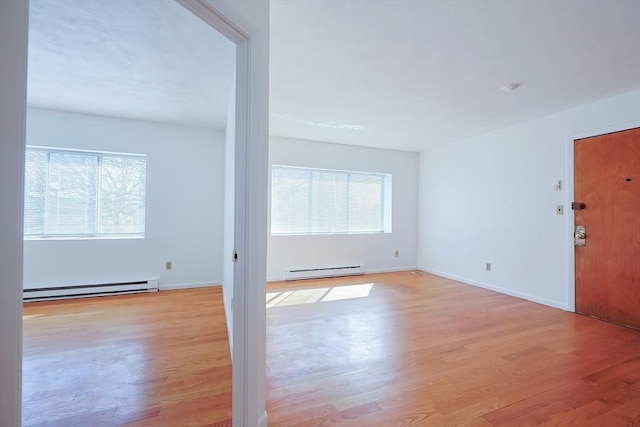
column 311, row 296
column 30, row 316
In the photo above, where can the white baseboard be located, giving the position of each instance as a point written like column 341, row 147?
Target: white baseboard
column 367, row 271
column 389, row 270
column 174, row 286
column 506, row 291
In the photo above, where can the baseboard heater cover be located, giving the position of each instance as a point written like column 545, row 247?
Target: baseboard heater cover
column 83, row 291
column 317, row 273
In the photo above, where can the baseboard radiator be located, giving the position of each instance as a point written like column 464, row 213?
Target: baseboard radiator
column 316, row 273
column 83, row 291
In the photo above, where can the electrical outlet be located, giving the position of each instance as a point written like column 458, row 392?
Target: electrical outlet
column 168, row 265
column 487, row 266
column 397, row 253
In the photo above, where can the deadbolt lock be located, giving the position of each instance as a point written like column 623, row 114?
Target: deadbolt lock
column 580, row 236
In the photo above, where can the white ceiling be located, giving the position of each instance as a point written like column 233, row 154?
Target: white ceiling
column 411, row 74
column 403, row 74
column 143, row 59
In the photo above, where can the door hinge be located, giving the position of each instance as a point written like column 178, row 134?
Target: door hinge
column 234, row 255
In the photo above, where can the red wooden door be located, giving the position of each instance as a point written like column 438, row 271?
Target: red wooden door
column 607, row 181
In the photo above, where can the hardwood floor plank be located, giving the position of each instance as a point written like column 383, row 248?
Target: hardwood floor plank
column 629, row 369
column 626, row 414
column 476, row 422
column 582, row 416
column 528, row 412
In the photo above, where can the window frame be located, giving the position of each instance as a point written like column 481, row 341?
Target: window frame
column 97, row 235
column 386, row 202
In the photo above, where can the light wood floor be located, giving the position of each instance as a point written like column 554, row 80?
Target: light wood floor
column 158, row 359
column 379, row 350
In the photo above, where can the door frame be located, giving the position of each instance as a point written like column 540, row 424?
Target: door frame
column 570, row 187
column 242, row 362
column 251, row 134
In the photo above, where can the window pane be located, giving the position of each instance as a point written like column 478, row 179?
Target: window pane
column 35, row 186
column 290, row 201
column 83, row 194
column 72, row 194
column 314, row 201
column 122, row 194
column 329, row 202
column 365, row 203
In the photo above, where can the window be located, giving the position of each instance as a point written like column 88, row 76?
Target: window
column 83, row 194
column 320, row 201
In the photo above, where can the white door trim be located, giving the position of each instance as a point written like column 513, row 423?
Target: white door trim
column 248, row 342
column 13, row 90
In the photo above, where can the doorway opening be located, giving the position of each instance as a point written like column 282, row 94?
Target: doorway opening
column 231, row 141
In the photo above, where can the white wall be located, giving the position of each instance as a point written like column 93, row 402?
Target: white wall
column 13, row 89
column 184, row 210
column 491, row 199
column 376, row 251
